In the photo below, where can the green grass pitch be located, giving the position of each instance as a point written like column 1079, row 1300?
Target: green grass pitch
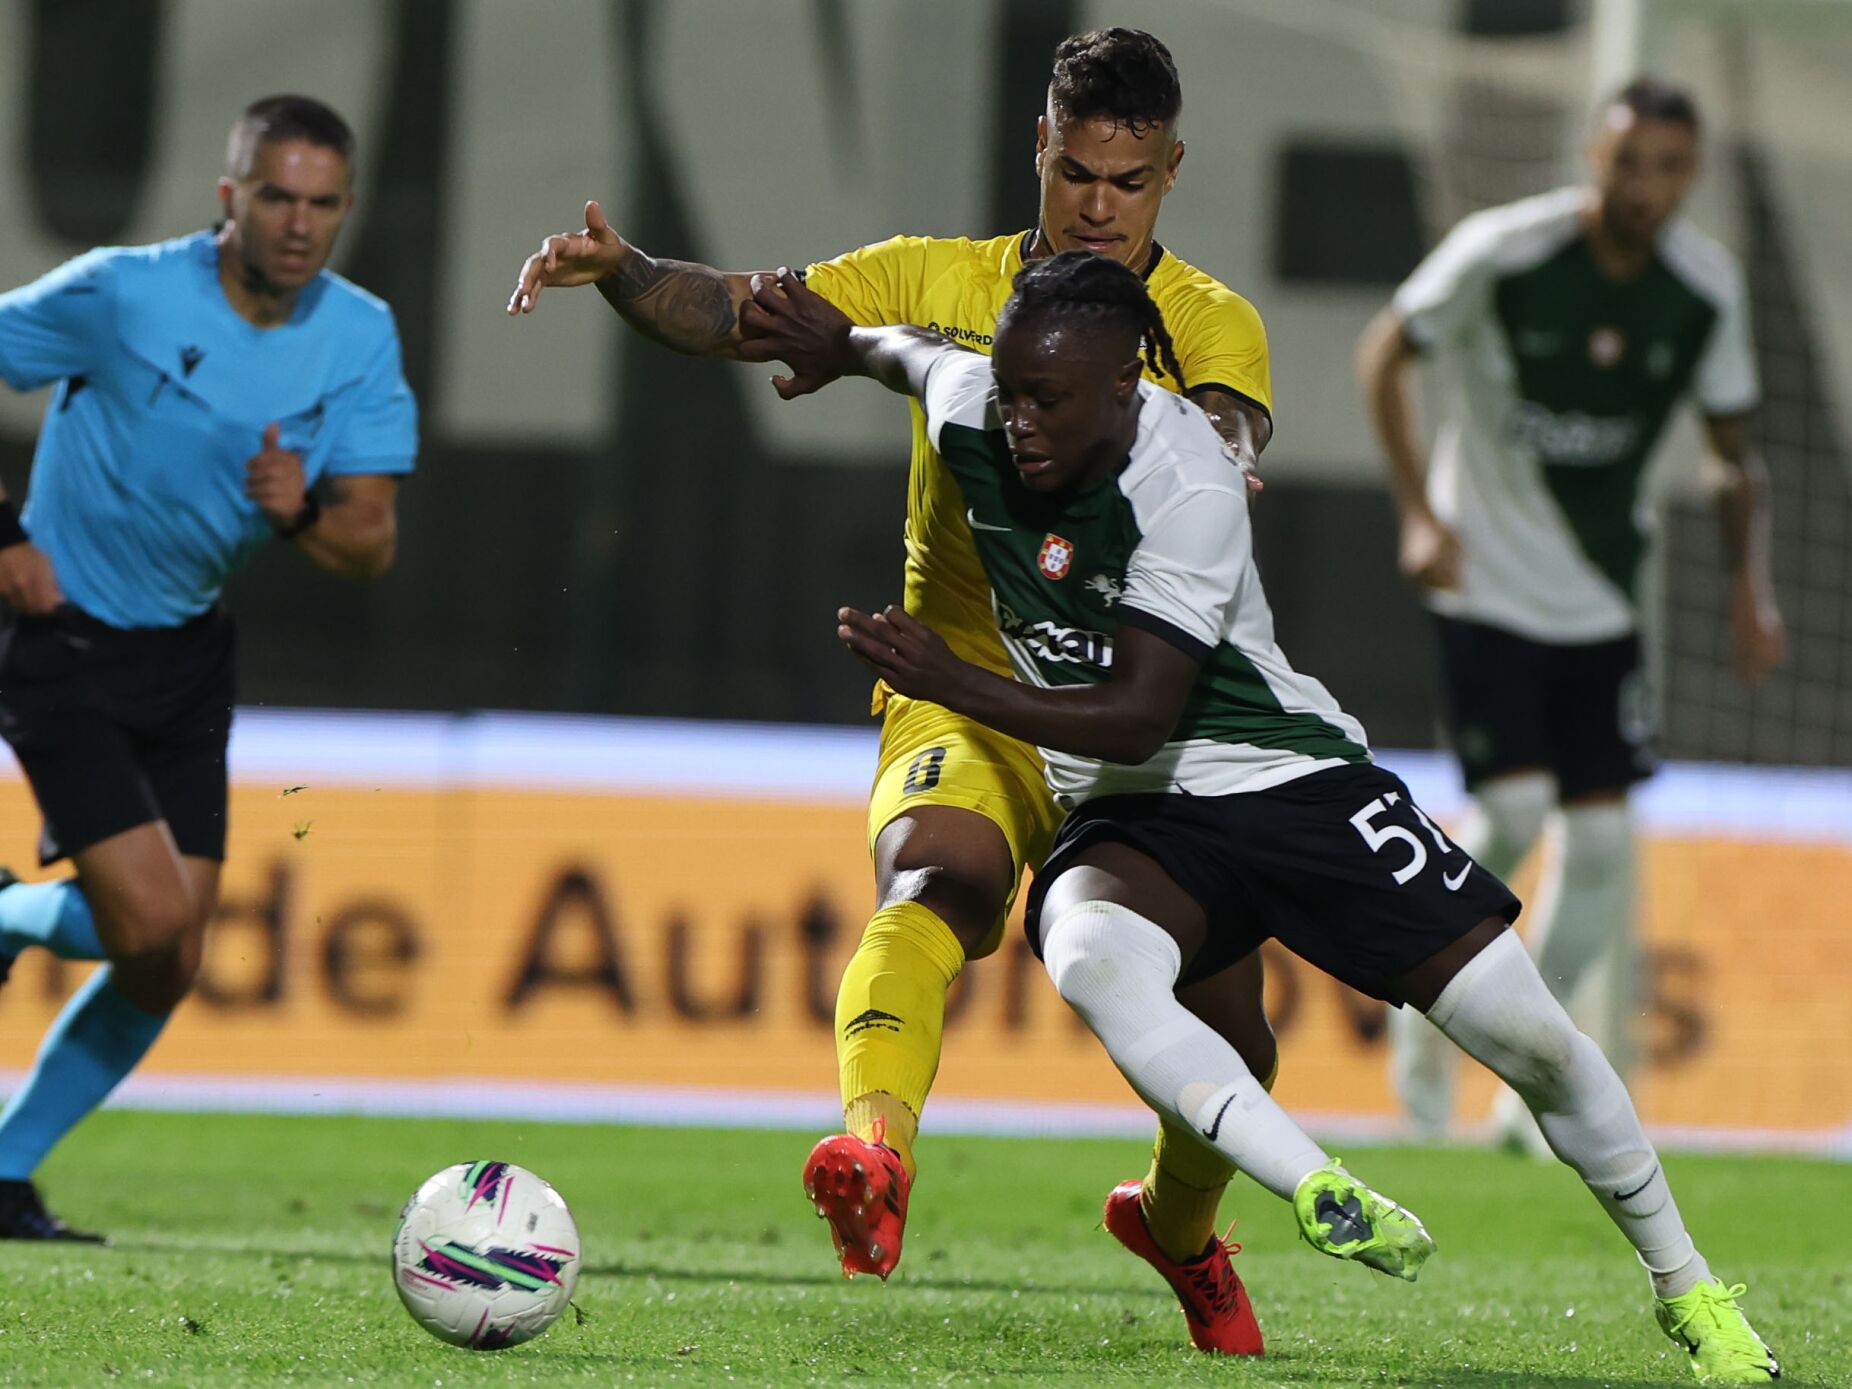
column 253, row 1251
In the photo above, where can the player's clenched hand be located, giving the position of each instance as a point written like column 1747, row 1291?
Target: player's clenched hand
column 1761, row 638
column 1239, row 437
column 786, row 321
column 902, row 650
column 273, row 478
column 569, row 259
column 1430, row 552
column 26, row 581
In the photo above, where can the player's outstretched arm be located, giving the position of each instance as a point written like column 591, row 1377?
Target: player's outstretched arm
column 688, row 307
column 1759, row 636
column 1125, row 718
column 787, row 321
column 1429, row 548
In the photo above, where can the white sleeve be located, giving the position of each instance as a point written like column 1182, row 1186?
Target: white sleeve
column 1437, row 301
column 1186, row 570
column 1726, row 381
column 957, row 391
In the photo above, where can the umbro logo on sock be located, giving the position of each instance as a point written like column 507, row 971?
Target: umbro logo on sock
column 872, row 1017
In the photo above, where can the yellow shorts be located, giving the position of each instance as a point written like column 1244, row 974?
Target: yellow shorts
column 931, row 756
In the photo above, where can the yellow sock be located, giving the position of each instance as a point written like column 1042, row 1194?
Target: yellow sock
column 890, row 1021
column 864, row 1115
column 1184, row 1187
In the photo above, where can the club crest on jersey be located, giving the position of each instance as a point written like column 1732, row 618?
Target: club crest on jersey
column 1605, row 346
column 1057, row 556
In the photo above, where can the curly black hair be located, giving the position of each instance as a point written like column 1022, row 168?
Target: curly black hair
column 1103, row 291
column 1125, row 75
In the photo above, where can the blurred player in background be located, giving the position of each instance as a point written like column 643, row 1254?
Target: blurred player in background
column 1218, row 796
column 1567, row 327
column 958, row 812
column 204, row 386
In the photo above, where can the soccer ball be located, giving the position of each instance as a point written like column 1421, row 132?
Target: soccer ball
column 486, row 1255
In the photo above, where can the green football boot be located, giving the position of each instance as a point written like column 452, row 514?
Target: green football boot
column 1340, row 1216
column 1723, row 1346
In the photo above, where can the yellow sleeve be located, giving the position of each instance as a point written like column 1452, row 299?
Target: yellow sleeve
column 1221, row 341
column 880, row 284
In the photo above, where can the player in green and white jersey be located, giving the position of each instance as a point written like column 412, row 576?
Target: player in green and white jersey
column 1567, row 327
column 1217, row 797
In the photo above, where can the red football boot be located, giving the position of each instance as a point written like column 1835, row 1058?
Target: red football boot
column 861, row 1189
column 1215, row 1305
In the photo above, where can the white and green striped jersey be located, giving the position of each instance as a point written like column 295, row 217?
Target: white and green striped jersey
column 1164, row 546
column 1559, row 383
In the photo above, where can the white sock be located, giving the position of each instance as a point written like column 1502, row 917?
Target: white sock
column 1119, row 972
column 1586, row 901
column 1499, row 830
column 1498, row 1010
column 1582, row 938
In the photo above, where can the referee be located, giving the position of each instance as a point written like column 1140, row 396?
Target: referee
column 213, row 393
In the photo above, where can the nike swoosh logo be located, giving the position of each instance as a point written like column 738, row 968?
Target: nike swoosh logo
column 1215, row 1128
column 1453, row 883
column 1629, row 1195
column 977, row 525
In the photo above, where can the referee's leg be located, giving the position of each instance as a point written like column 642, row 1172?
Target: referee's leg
column 151, row 905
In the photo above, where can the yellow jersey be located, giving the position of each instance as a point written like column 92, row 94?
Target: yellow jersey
column 958, row 287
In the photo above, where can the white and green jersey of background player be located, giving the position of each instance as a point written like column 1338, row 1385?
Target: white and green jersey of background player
column 1164, row 546
column 1561, row 381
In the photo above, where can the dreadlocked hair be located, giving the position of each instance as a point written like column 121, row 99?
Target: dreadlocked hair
column 1100, row 290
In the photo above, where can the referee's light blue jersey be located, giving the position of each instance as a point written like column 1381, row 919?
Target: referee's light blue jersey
column 164, row 392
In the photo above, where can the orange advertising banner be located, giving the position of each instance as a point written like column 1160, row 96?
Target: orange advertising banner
column 477, row 933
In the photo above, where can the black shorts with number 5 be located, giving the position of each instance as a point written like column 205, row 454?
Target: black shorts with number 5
column 1341, row 867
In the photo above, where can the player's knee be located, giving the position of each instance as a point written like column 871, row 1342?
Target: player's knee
column 968, row 904
column 151, row 922
column 1077, row 962
column 158, row 979
column 1097, row 951
column 1514, row 808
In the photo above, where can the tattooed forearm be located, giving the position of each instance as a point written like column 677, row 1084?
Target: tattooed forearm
column 677, row 303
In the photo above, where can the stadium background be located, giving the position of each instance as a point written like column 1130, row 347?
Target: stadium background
column 566, row 910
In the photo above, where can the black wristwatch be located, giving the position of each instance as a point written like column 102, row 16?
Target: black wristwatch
column 311, row 513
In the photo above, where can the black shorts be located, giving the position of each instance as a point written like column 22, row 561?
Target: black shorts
column 117, row 728
column 1581, row 712
column 1338, row 866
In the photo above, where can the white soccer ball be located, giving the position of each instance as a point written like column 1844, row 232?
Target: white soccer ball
column 486, row 1255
